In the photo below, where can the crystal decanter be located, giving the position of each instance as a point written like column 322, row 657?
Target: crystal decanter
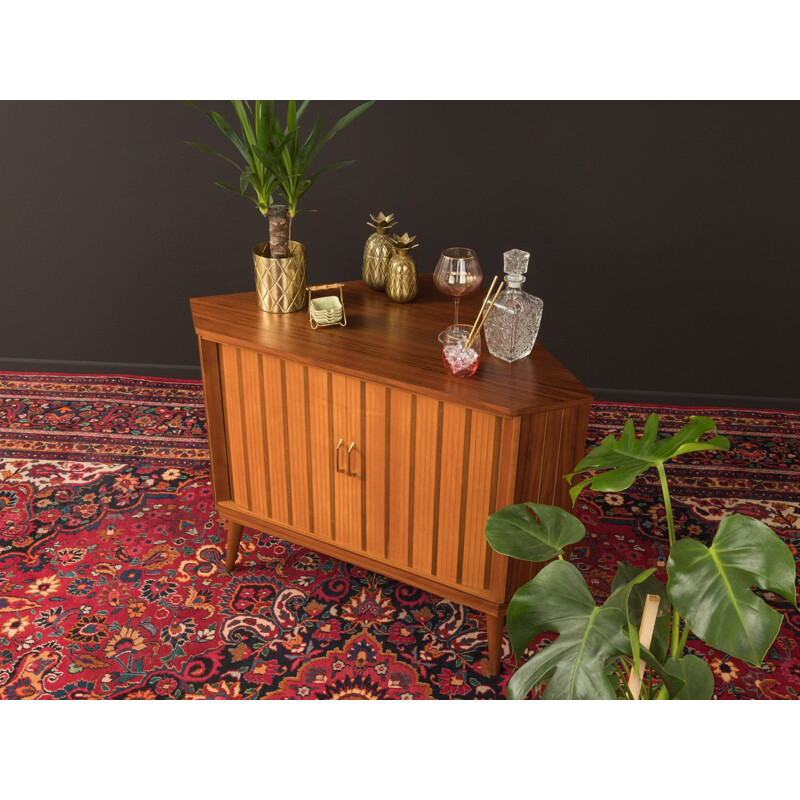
column 513, row 323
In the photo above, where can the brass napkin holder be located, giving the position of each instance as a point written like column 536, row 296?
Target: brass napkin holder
column 321, row 314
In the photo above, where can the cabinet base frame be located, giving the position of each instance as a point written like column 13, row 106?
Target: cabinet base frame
column 495, row 612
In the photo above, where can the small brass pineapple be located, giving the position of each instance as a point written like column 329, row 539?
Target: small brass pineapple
column 401, row 275
column 378, row 251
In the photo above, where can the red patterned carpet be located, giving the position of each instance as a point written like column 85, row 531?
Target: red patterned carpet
column 111, row 560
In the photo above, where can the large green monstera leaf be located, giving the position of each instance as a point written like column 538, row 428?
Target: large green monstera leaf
column 577, row 665
column 620, row 461
column 533, row 532
column 710, row 586
column 697, row 677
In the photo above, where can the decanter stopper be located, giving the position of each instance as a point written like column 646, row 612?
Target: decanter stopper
column 515, row 265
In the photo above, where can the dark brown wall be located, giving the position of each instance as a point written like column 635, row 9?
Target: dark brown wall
column 664, row 235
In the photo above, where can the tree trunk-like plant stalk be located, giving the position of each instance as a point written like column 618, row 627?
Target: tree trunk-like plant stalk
column 280, row 227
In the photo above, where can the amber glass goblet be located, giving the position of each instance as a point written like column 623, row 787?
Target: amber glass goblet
column 458, row 274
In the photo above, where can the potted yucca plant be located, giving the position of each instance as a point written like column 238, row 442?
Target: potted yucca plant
column 275, row 167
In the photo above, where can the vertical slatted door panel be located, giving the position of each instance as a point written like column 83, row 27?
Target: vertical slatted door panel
column 481, row 490
column 399, row 464
column 322, row 443
column 275, row 424
column 375, row 480
column 424, row 518
column 454, row 471
column 234, row 423
column 298, row 428
column 253, row 432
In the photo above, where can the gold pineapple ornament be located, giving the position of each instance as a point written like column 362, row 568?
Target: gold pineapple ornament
column 378, row 251
column 401, row 275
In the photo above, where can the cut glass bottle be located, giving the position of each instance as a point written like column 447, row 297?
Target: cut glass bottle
column 513, row 323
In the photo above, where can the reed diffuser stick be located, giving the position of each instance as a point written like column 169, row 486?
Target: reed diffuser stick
column 480, row 321
column 483, row 305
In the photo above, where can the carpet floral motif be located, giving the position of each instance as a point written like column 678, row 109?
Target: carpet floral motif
column 112, row 582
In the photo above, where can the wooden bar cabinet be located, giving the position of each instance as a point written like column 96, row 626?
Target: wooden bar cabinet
column 355, row 442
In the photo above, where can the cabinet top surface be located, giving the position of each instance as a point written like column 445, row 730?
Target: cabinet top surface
column 395, row 344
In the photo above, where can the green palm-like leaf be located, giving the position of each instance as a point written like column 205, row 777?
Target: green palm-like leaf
column 205, row 149
column 618, row 462
column 242, row 109
column 254, row 145
column 237, row 191
column 349, row 117
column 710, row 586
column 225, row 127
column 274, row 158
column 533, row 532
column 576, row 665
column 296, row 158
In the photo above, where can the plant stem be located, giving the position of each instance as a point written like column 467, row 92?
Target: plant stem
column 684, row 637
column 676, row 636
column 667, row 503
column 676, row 620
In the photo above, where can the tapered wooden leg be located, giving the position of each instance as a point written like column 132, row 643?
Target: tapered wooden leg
column 494, row 632
column 234, row 537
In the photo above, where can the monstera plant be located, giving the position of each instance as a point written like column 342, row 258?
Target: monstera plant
column 709, row 590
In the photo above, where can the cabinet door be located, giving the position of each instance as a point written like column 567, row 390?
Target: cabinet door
column 430, row 480
column 277, row 418
column 283, row 423
column 414, row 491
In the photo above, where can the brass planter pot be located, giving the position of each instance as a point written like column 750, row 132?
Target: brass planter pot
column 280, row 282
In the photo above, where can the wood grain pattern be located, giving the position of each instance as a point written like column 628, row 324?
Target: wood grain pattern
column 452, row 476
column 425, row 485
column 430, row 456
column 234, row 424
column 376, row 473
column 321, row 445
column 396, row 345
column 551, row 443
column 478, row 490
column 400, row 475
column 277, row 450
column 215, row 416
column 294, row 379
column 254, row 433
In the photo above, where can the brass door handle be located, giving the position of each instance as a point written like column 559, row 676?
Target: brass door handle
column 349, row 450
column 341, row 442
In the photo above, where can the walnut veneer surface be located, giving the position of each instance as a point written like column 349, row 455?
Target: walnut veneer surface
column 354, row 441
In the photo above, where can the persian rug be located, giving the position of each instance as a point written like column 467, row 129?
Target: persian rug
column 112, row 582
